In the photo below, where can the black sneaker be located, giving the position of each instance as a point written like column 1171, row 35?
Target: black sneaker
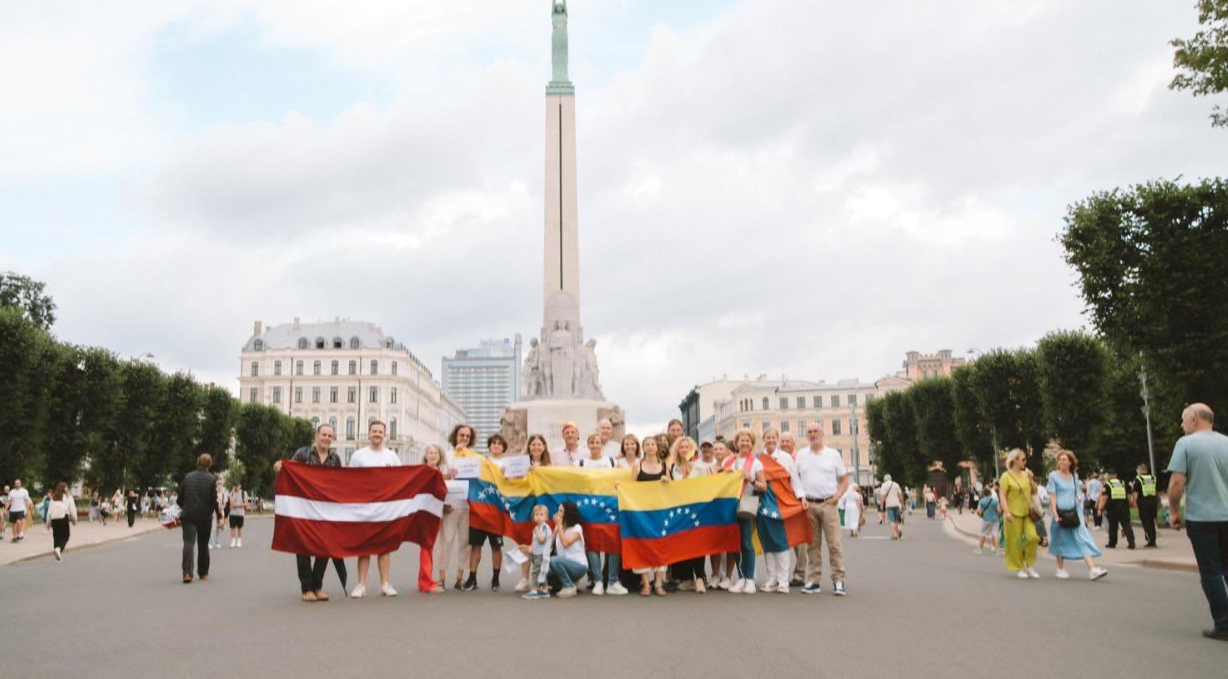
column 458, row 586
column 471, row 585
column 811, row 588
column 796, row 582
column 1215, row 634
column 838, row 589
column 494, row 585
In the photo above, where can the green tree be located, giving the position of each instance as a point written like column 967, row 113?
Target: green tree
column 1073, row 370
column 25, row 396
column 970, row 426
column 1123, row 435
column 898, row 453
column 1203, row 59
column 217, row 426
column 1150, row 262
column 933, row 408
column 264, row 434
column 26, row 295
column 177, row 424
column 1006, row 389
column 140, row 462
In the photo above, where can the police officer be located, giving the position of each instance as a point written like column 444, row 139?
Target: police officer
column 1116, row 506
column 1143, row 496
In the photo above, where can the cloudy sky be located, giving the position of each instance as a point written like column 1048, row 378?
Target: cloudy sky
column 806, row 187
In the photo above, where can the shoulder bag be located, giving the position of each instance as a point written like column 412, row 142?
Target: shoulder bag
column 1069, row 518
column 748, row 504
column 1033, row 513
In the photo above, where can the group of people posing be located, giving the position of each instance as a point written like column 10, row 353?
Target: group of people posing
column 558, row 557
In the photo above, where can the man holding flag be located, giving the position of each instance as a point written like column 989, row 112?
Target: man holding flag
column 824, row 481
column 311, row 577
column 375, row 455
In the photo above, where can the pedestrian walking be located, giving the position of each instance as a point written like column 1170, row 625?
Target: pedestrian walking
column 19, row 508
column 132, row 505
column 197, row 499
column 311, row 576
column 931, row 502
column 219, row 516
column 1069, row 537
column 989, row 509
column 61, row 512
column 852, row 504
column 238, row 503
column 1115, row 505
column 1143, row 497
column 1092, row 504
column 1199, row 468
column 893, row 503
column 1020, row 513
column 824, row 480
column 375, row 455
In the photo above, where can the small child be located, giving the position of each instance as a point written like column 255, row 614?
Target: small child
column 539, row 555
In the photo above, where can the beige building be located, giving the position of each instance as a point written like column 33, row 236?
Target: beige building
column 918, row 366
column 347, row 374
column 790, row 405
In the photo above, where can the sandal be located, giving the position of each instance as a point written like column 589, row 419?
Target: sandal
column 646, row 590
column 700, row 587
column 660, row 591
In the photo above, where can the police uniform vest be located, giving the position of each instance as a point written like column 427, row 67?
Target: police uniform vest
column 1117, row 489
column 1147, row 484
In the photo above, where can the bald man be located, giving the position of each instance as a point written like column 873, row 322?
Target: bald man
column 609, row 447
column 1199, row 467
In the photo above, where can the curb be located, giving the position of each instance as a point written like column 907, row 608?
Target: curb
column 1157, row 564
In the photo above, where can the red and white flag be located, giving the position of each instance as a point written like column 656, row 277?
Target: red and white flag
column 339, row 512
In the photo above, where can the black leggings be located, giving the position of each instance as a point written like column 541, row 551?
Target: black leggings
column 59, row 533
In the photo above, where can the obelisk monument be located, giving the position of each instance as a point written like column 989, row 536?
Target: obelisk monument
column 561, row 379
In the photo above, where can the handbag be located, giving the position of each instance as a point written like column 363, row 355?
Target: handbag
column 1069, row 518
column 748, row 504
column 1033, row 513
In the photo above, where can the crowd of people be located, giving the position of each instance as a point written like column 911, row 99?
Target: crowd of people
column 558, row 558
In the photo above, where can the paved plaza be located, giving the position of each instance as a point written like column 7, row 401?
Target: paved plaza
column 922, row 607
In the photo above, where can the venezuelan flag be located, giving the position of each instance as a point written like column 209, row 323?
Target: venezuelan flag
column 781, row 523
column 501, row 505
column 664, row 523
column 593, row 491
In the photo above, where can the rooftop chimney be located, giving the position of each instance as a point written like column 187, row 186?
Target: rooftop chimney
column 256, row 330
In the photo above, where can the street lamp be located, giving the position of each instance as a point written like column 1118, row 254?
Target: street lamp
column 1151, row 453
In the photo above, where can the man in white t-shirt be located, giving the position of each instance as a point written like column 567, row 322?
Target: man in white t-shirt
column 570, row 453
column 19, row 508
column 892, row 501
column 374, row 455
column 609, row 447
column 824, row 481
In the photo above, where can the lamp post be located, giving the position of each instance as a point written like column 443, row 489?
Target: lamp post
column 1151, row 453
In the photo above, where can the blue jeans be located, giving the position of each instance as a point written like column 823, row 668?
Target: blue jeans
column 746, row 560
column 1210, row 542
column 612, row 562
column 567, row 571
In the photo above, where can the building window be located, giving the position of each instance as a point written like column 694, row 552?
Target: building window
column 374, row 394
column 835, row 400
column 302, row 343
column 374, row 367
column 354, row 343
column 298, row 394
column 315, row 394
column 349, row 429
column 784, row 404
column 337, row 344
column 258, row 345
column 394, row 367
column 392, row 395
column 298, row 367
column 336, row 367
column 332, row 422
column 818, row 401
column 332, row 394
column 251, row 393
column 801, row 402
column 852, row 400
column 255, row 369
column 835, row 427
column 801, row 426
column 315, row 368
column 276, row 394
column 746, row 424
column 767, row 424
column 276, row 367
column 392, row 428
column 351, row 396
column 315, row 422
column 765, row 403
column 320, row 343
column 353, row 367
column 784, row 426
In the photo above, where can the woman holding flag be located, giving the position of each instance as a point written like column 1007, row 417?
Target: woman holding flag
column 683, row 465
column 779, row 472
column 650, row 467
column 751, row 468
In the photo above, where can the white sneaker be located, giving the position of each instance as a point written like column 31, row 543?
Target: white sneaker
column 232, row 543
column 769, row 586
column 1022, row 575
column 211, row 546
column 1061, row 574
column 358, row 592
column 598, row 589
column 616, row 589
column 750, row 587
column 724, row 584
column 58, row 555
column 522, row 585
column 782, row 587
column 1033, row 574
column 387, row 590
column 567, row 592
column 239, row 542
column 738, row 587
column 1097, row 573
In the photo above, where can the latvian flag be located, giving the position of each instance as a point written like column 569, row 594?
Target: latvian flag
column 339, row 512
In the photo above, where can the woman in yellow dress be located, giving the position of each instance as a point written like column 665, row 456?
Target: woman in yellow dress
column 1018, row 495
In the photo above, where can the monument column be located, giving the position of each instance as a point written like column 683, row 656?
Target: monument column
column 562, row 246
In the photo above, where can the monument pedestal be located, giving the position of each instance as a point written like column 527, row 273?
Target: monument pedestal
column 547, row 417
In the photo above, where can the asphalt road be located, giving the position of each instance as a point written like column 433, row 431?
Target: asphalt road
column 923, row 607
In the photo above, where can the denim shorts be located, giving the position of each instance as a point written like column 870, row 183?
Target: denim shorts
column 893, row 514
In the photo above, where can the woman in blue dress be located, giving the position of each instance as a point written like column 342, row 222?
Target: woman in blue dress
column 1070, row 543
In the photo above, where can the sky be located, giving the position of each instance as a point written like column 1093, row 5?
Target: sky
column 807, row 188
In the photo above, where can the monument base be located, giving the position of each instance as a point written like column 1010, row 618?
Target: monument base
column 547, row 417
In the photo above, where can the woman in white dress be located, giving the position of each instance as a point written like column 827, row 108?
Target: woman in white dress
column 852, row 509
